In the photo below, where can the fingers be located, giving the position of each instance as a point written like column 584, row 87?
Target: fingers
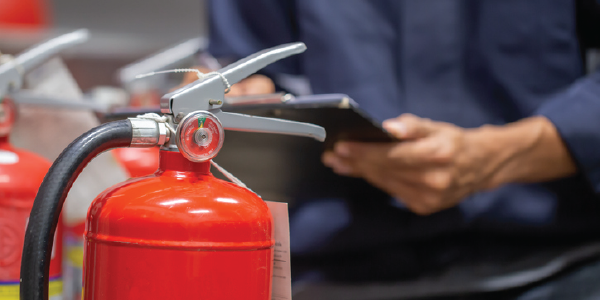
column 259, row 84
column 408, row 126
column 436, row 179
column 423, row 191
column 418, row 153
column 420, row 200
column 375, row 153
column 423, row 145
column 237, row 90
column 340, row 165
column 253, row 85
column 409, row 195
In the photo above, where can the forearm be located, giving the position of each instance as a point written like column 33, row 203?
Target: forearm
column 530, row 150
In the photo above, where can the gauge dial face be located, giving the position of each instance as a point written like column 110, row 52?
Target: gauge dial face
column 200, row 136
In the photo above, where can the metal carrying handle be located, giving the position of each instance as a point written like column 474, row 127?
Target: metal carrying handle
column 11, row 72
column 245, row 67
column 248, row 123
column 42, row 52
column 208, row 94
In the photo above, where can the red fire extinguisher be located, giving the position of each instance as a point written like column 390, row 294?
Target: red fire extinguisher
column 179, row 233
column 138, row 161
column 22, row 172
column 30, row 14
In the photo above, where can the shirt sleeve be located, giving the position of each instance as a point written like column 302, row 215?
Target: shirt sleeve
column 238, row 28
column 575, row 112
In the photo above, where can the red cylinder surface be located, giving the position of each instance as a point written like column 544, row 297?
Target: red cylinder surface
column 138, row 161
column 21, row 174
column 178, row 234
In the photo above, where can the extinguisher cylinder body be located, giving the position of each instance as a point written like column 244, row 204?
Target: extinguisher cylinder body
column 21, row 173
column 180, row 233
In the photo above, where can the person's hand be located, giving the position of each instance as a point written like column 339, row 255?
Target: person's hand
column 437, row 164
column 253, row 85
column 434, row 167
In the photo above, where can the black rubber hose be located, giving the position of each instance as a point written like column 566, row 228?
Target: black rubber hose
column 35, row 263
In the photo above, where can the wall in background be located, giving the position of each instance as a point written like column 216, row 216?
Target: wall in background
column 123, row 31
column 168, row 20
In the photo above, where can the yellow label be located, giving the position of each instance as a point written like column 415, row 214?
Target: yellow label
column 10, row 291
column 75, row 256
column 55, row 288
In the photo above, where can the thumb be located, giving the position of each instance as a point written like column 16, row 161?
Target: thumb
column 408, row 126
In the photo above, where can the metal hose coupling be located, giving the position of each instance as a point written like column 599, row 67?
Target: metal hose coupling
column 150, row 130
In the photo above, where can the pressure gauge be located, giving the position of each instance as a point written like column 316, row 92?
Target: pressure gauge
column 200, row 136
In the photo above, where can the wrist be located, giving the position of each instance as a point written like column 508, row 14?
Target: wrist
column 530, row 150
column 498, row 149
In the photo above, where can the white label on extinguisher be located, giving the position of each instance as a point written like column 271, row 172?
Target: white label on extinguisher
column 8, row 158
column 282, row 271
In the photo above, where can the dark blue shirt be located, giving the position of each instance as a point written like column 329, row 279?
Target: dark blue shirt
column 466, row 62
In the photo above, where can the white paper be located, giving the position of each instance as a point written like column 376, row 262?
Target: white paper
column 282, row 271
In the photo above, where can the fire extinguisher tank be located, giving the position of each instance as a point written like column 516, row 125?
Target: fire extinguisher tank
column 178, row 234
column 21, row 173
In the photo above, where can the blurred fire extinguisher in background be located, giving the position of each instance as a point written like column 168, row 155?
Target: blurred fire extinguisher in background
column 21, row 173
column 24, row 14
column 138, row 161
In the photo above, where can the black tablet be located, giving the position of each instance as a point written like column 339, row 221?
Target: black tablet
column 289, row 168
column 341, row 117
